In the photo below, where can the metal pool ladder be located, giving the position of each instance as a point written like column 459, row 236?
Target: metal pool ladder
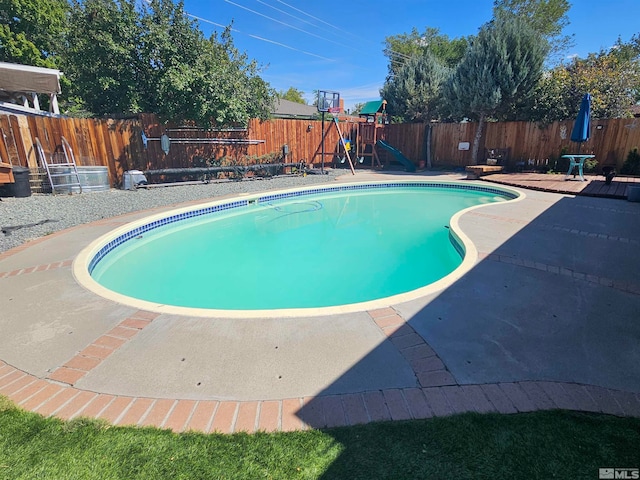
column 63, row 168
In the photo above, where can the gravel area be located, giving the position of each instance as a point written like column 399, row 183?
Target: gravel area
column 23, row 219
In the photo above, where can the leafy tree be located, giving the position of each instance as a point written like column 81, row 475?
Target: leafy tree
column 27, row 26
column 611, row 77
column 227, row 87
column 400, row 48
column 125, row 59
column 102, row 58
column 498, row 73
column 293, row 95
column 173, row 53
column 16, row 48
column 629, row 51
column 547, row 17
column 357, row 108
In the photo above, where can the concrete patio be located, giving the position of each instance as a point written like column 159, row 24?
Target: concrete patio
column 549, row 317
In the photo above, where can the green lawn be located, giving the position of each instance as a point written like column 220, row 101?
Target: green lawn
column 555, row 444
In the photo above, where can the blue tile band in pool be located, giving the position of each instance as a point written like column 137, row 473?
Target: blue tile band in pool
column 160, row 223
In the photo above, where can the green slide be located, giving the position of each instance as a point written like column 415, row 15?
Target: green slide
column 408, row 164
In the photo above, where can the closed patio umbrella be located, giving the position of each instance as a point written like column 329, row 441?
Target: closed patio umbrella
column 582, row 128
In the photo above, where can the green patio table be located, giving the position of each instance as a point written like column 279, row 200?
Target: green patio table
column 576, row 161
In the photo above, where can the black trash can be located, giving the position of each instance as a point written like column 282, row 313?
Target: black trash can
column 21, row 186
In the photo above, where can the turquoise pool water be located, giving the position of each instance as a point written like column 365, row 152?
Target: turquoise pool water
column 310, row 251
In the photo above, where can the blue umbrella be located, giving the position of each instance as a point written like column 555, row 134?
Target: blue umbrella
column 582, row 128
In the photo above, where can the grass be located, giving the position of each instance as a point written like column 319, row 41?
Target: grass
column 551, row 444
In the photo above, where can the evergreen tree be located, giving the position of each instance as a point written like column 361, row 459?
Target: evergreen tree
column 547, row 17
column 413, row 94
column 498, row 73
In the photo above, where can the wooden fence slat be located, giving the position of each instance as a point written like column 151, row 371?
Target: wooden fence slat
column 9, row 140
column 24, row 145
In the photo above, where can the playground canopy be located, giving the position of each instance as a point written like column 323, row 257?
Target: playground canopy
column 373, row 107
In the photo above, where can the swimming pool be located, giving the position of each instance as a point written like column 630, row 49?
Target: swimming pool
column 306, row 251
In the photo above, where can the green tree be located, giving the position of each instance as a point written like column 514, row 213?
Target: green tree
column 16, row 48
column 413, row 94
column 126, row 59
column 226, row 88
column 102, row 58
column 173, row 55
column 400, row 48
column 611, row 77
column 357, row 108
column 188, row 77
column 27, row 26
column 547, row 17
column 498, row 72
column 293, row 95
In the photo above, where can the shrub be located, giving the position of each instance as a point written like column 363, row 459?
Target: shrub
column 590, row 165
column 631, row 165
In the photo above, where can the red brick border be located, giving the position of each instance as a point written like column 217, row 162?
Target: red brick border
column 37, row 268
column 430, row 371
column 89, row 358
column 66, row 402
column 633, row 288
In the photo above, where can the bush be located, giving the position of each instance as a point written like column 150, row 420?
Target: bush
column 590, row 165
column 631, row 165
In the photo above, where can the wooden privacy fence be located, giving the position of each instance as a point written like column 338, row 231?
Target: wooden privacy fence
column 611, row 140
column 303, row 139
column 95, row 142
column 118, row 144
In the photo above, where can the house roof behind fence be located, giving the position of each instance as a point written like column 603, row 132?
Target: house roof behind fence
column 289, row 109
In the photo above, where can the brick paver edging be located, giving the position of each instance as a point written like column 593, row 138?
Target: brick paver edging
column 623, row 286
column 36, row 268
column 430, row 371
column 90, row 357
column 50, row 398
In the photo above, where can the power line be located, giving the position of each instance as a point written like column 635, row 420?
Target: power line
column 391, row 53
column 311, row 16
column 287, row 13
column 388, row 52
column 287, row 24
column 291, row 48
column 235, row 30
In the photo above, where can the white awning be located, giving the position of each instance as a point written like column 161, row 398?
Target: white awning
column 25, row 78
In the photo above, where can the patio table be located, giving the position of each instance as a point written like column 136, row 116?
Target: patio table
column 577, row 161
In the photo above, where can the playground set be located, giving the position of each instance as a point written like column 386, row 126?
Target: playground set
column 368, row 134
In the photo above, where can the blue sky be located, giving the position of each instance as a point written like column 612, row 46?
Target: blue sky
column 337, row 45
